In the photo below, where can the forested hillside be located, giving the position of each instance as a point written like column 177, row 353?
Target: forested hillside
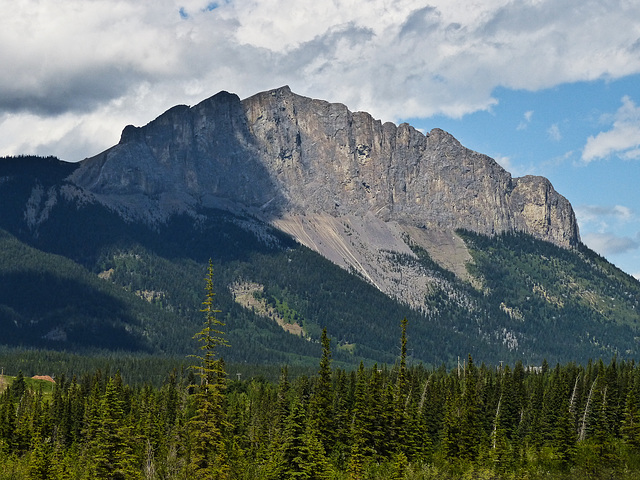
column 557, row 297
column 475, row 421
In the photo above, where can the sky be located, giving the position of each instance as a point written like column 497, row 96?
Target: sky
column 545, row 87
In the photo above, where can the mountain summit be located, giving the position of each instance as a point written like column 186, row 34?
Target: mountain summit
column 353, row 189
column 420, row 226
column 278, row 154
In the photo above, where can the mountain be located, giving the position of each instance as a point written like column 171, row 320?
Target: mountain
column 315, row 216
column 278, row 155
column 341, row 183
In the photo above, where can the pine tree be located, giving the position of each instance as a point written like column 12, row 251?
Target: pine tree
column 565, row 436
column 300, row 455
column 208, row 425
column 379, row 413
column 399, row 467
column 361, row 437
column 356, row 464
column 111, row 450
column 320, row 408
column 471, row 434
column 450, row 432
column 509, row 408
column 534, row 434
column 7, row 423
column 630, row 429
column 74, row 405
column 402, row 371
column 342, row 405
column 400, row 438
column 18, row 387
column 600, row 437
column 40, row 459
column 40, row 451
column 282, row 402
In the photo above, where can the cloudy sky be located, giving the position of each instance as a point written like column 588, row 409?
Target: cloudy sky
column 546, row 87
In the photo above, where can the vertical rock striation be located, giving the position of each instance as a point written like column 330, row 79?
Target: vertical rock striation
column 278, row 154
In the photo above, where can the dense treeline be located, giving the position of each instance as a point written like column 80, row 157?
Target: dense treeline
column 135, row 369
column 378, row 422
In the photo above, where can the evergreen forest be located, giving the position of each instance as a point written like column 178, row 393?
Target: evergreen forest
column 368, row 389
column 395, row 421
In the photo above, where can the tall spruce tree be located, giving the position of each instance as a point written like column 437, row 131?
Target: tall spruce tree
column 7, row 422
column 400, row 436
column 282, row 402
column 630, row 428
column 565, row 438
column 471, row 433
column 451, row 428
column 361, row 436
column 111, row 450
column 209, row 424
column 321, row 405
column 300, row 455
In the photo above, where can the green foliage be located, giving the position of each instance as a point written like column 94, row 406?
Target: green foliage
column 110, row 446
column 100, row 427
column 560, row 298
column 208, row 425
column 300, row 455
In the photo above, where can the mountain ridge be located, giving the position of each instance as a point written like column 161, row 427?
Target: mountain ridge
column 278, row 153
column 318, row 207
column 345, row 185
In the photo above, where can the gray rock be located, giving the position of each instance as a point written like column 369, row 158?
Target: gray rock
column 355, row 190
column 279, row 153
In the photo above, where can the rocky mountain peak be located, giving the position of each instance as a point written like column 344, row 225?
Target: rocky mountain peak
column 325, row 158
column 356, row 190
column 278, row 154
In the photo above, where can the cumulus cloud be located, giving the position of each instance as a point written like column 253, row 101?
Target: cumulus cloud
column 130, row 60
column 600, row 218
column 597, row 222
column 623, row 139
column 609, row 244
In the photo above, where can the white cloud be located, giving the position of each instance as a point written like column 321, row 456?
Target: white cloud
column 623, row 139
column 526, row 120
column 597, row 224
column 83, row 62
column 601, row 216
column 609, row 244
column 554, row 132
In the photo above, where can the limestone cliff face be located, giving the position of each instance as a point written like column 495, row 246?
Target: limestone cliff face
column 355, row 190
column 325, row 158
column 278, row 154
column 187, row 157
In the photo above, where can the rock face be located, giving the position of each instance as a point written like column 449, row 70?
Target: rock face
column 277, row 154
column 355, row 190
